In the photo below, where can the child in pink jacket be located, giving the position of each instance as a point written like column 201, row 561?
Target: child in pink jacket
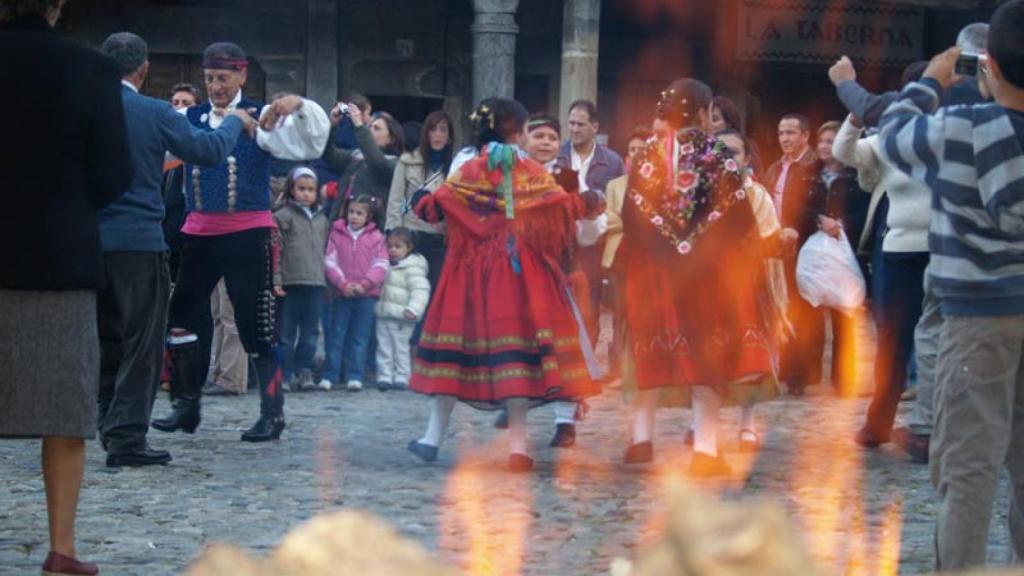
column 356, row 264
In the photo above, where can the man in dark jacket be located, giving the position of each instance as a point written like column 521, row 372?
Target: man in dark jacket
column 133, row 305
column 796, row 189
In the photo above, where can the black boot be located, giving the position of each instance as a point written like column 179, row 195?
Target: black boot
column 186, row 388
column 271, row 421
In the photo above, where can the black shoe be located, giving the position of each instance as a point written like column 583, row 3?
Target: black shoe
column 641, row 453
column 501, row 422
column 144, row 457
column 186, row 388
column 384, row 386
column 265, row 429
column 707, row 466
column 426, row 452
column 184, row 416
column 915, row 445
column 868, row 439
column 520, row 463
column 565, row 436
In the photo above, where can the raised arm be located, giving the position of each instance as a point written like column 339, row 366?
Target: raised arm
column 293, row 128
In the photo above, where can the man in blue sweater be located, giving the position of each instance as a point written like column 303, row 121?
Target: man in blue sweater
column 132, row 307
column 972, row 158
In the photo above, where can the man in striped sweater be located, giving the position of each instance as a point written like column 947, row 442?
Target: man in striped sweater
column 972, row 159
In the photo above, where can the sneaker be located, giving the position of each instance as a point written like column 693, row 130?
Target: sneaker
column 915, row 445
column 306, row 381
column 384, row 386
column 288, row 385
column 354, row 386
column 325, row 385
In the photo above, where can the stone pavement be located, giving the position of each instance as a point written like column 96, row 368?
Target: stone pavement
column 857, row 511
column 579, row 511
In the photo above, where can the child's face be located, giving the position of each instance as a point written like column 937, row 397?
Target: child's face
column 398, row 249
column 304, row 191
column 358, row 215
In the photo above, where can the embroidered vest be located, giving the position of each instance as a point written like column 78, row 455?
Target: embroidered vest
column 239, row 184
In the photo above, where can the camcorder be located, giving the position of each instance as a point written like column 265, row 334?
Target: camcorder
column 968, row 64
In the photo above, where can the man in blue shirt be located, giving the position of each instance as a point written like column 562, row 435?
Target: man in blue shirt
column 132, row 308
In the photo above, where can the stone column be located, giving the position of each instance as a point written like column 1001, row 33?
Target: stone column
column 322, row 52
column 494, row 49
column 581, row 21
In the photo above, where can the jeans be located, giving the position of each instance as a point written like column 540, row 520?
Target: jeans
column 897, row 307
column 300, row 317
column 351, row 327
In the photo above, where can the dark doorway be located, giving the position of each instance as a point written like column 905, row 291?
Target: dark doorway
column 405, row 108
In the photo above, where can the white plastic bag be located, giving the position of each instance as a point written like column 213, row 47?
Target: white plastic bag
column 827, row 273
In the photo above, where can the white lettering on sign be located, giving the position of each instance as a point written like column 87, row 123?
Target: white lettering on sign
column 819, row 32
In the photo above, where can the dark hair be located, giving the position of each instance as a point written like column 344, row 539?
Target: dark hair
column 730, row 113
column 682, row 100
column 403, row 234
column 589, row 107
column 643, row 133
column 497, row 120
column 411, row 133
column 805, row 124
column 542, row 119
column 364, row 200
column 397, row 144
column 224, row 50
column 434, row 119
column 913, row 72
column 743, row 138
column 11, row 9
column 185, row 87
column 129, row 51
column 361, row 101
column 1005, row 44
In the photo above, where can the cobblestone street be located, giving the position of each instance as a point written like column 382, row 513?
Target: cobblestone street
column 579, row 511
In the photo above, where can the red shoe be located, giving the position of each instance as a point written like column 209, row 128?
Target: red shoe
column 61, row 565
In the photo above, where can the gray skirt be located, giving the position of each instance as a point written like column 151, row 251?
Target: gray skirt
column 49, row 364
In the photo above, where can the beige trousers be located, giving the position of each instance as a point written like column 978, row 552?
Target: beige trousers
column 979, row 429
column 229, row 364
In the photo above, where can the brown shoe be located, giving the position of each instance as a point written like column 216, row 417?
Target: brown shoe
column 61, row 565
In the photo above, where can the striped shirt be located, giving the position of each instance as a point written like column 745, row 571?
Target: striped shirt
column 972, row 160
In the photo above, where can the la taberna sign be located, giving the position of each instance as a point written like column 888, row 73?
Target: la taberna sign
column 820, row 32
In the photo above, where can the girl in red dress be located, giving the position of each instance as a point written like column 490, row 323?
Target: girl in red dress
column 502, row 329
column 694, row 273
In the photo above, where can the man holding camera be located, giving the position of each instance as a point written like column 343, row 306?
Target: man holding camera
column 972, row 158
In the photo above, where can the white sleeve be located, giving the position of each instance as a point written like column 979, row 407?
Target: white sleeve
column 588, row 232
column 302, row 135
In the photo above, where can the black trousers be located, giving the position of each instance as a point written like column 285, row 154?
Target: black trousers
column 244, row 260
column 132, row 318
column 801, row 364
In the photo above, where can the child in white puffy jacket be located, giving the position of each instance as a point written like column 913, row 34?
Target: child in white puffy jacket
column 403, row 301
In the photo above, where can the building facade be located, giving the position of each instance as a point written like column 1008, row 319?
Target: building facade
column 414, row 56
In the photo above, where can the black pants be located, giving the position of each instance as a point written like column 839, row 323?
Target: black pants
column 132, row 318
column 244, row 260
column 801, row 364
